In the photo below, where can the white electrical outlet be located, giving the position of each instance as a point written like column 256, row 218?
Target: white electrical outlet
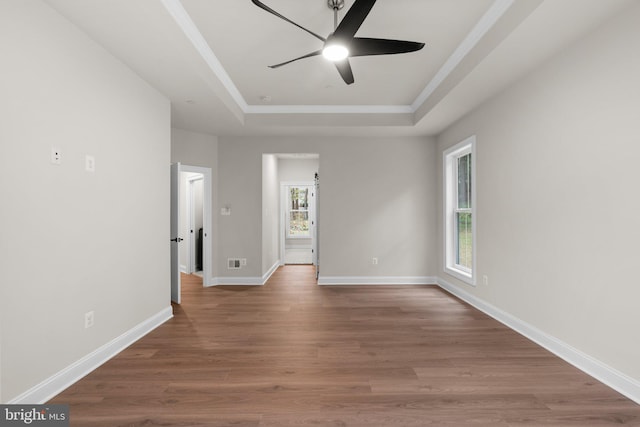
column 485, row 280
column 88, row 319
column 56, row 156
column 374, row 261
column 243, row 262
column 90, row 163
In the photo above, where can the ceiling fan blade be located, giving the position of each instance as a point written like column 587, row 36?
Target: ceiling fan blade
column 344, row 68
column 273, row 12
column 308, row 55
column 353, row 19
column 365, row 46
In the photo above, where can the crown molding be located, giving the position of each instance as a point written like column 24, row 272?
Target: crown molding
column 329, row 109
column 188, row 27
column 486, row 22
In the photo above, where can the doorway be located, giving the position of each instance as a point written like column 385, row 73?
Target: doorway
column 191, row 231
column 298, row 230
column 193, row 223
column 298, row 220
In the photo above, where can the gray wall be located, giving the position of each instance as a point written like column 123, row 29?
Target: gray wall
column 74, row 241
column 557, row 165
column 297, row 169
column 377, row 199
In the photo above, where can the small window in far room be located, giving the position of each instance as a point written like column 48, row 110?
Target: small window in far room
column 459, row 198
column 298, row 212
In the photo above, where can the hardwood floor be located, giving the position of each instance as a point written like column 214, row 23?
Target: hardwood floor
column 291, row 353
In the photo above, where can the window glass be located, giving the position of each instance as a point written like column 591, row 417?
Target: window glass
column 464, row 182
column 299, row 223
column 298, row 218
column 464, row 252
column 299, row 198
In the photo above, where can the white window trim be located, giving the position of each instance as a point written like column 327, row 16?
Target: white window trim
column 288, row 211
column 450, row 183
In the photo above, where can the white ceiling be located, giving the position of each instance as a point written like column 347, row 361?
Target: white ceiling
column 210, row 59
column 261, row 39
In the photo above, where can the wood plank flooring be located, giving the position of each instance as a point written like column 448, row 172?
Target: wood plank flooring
column 291, row 353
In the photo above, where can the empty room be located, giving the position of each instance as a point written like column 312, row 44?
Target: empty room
column 319, row 212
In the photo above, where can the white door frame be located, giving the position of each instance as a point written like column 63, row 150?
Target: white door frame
column 191, row 236
column 316, row 225
column 175, row 232
column 284, row 196
column 207, row 232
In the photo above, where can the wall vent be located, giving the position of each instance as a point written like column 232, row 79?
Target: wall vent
column 233, row 263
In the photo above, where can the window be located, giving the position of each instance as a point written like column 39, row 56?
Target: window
column 298, row 212
column 459, row 189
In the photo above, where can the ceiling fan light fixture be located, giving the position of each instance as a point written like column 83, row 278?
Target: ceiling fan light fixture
column 335, row 52
column 342, row 42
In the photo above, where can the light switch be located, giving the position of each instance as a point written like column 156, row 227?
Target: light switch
column 226, row 211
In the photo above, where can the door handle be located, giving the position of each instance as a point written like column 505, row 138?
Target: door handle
column 177, row 240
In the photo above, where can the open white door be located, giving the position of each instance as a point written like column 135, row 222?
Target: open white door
column 175, row 230
column 316, row 225
column 312, row 223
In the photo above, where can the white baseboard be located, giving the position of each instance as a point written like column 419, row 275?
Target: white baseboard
column 375, row 280
column 183, row 269
column 598, row 370
column 58, row 382
column 244, row 281
column 266, row 276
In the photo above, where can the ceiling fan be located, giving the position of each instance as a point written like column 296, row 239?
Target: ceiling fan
column 342, row 43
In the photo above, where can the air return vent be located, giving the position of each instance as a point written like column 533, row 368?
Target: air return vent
column 233, row 263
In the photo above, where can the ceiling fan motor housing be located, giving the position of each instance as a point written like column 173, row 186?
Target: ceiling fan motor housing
column 335, row 4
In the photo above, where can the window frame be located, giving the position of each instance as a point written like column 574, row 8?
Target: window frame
column 289, row 187
column 451, row 210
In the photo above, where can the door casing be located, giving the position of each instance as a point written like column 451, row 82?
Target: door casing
column 284, row 191
column 208, row 232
